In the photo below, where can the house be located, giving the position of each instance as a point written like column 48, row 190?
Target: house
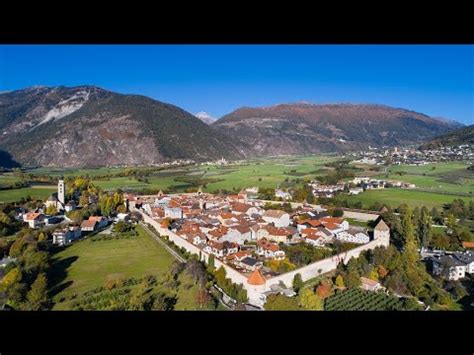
column 101, row 221
column 239, row 256
column 353, row 236
column 453, row 266
column 270, row 250
column 468, row 245
column 277, row 235
column 334, row 225
column 66, row 236
column 124, row 217
column 285, row 195
column 448, row 267
column 33, row 219
column 249, row 264
column 370, row 285
column 239, row 208
column 314, row 237
column 88, row 225
column 277, row 217
column 70, row 206
column 220, row 250
column 355, row 190
column 173, row 212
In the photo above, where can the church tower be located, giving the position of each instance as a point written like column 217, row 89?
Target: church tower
column 61, row 199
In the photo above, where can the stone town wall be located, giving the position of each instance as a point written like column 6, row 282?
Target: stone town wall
column 307, row 272
column 322, row 266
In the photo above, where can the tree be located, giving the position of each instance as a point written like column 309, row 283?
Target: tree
column 340, row 281
column 323, row 290
column 12, row 277
column 374, row 275
column 220, row 275
column 50, row 210
column 382, row 271
column 352, row 279
column 310, row 300
column 410, row 248
column 281, row 303
column 297, row 283
column 210, row 263
column 424, row 227
column 38, row 295
column 202, row 297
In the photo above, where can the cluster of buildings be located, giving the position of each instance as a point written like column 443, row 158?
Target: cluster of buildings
column 356, row 186
column 238, row 231
column 412, row 155
column 65, row 232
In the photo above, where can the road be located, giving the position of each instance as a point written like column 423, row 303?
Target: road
column 181, row 259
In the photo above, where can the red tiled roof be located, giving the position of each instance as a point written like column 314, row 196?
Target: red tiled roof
column 88, row 224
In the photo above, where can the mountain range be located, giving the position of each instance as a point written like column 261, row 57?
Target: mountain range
column 87, row 126
column 464, row 135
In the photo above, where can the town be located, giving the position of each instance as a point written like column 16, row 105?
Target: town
column 412, row 155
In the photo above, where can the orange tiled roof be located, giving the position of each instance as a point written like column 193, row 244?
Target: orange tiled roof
column 468, row 245
column 32, row 216
column 256, row 278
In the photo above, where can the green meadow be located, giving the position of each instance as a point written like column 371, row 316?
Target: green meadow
column 13, row 195
column 395, row 197
column 87, row 264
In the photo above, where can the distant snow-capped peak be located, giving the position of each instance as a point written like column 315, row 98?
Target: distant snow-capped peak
column 205, row 117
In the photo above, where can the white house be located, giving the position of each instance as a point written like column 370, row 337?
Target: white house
column 370, row 285
column 173, row 212
column 33, row 219
column 353, row 237
column 449, row 267
column 355, row 190
column 270, row 250
column 285, row 195
column 66, row 236
column 277, row 217
column 454, row 266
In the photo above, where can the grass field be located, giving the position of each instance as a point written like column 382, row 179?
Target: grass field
column 16, row 194
column 441, row 177
column 395, row 197
column 85, row 265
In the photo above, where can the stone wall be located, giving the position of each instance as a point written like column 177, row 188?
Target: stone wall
column 307, row 272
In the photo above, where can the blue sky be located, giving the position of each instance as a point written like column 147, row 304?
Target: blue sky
column 434, row 79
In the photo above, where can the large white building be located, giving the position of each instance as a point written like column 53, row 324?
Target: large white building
column 453, row 266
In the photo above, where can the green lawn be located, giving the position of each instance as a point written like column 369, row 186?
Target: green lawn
column 395, row 197
column 16, row 194
column 85, row 265
column 439, row 177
